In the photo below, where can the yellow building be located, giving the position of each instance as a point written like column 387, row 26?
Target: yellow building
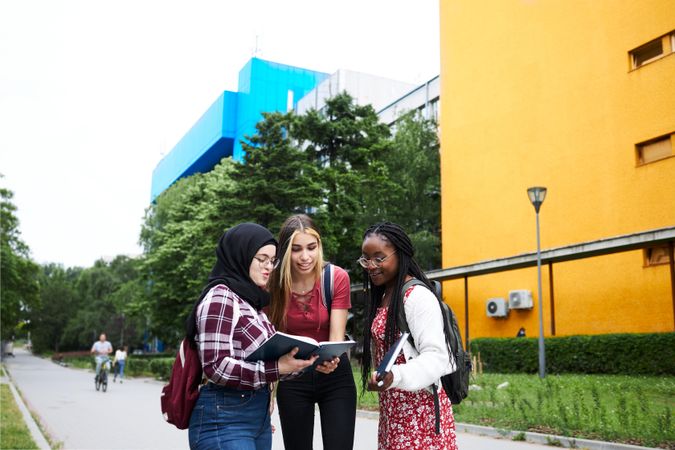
column 577, row 96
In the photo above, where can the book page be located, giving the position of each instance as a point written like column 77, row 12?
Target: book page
column 306, row 339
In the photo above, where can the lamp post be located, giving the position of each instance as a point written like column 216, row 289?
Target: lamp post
column 537, row 195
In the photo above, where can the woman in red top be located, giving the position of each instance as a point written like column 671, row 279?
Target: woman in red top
column 297, row 308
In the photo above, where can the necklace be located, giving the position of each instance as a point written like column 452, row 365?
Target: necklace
column 301, row 291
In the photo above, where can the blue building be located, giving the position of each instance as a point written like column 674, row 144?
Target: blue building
column 264, row 86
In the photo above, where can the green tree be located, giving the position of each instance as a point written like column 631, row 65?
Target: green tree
column 179, row 235
column 94, row 316
column 101, row 299
column 58, row 304
column 129, row 320
column 415, row 160
column 17, row 272
column 276, row 179
column 347, row 142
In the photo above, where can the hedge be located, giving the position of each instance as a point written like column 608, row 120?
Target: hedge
column 157, row 365
column 627, row 354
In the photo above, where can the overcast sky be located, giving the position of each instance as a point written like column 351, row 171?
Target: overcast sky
column 94, row 93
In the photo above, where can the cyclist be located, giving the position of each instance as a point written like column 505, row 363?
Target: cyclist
column 101, row 349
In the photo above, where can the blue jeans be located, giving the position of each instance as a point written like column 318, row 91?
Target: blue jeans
column 120, row 368
column 100, row 360
column 230, row 419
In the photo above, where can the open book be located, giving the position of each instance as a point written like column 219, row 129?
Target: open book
column 280, row 343
column 390, row 357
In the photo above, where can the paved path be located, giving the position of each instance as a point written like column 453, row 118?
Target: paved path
column 128, row 415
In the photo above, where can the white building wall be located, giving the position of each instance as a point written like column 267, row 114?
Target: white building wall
column 425, row 98
column 364, row 88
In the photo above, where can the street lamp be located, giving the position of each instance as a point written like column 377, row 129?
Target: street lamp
column 537, row 195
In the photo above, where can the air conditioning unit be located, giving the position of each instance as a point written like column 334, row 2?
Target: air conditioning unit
column 496, row 307
column 520, row 299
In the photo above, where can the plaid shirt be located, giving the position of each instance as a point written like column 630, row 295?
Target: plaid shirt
column 229, row 329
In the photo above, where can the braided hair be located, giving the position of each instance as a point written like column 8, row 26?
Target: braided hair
column 397, row 237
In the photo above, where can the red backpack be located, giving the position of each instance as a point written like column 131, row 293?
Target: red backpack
column 180, row 395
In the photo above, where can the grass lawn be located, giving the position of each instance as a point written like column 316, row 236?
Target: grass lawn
column 627, row 409
column 13, row 430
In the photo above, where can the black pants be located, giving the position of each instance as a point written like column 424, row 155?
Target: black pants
column 335, row 394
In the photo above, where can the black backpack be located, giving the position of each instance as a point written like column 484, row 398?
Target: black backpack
column 455, row 384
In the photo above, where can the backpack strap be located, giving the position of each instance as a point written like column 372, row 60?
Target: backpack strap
column 403, row 327
column 327, row 282
column 401, row 320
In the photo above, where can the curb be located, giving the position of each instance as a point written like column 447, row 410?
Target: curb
column 547, row 439
column 33, row 427
column 535, row 438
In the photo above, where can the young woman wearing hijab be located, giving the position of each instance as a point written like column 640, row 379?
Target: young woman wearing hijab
column 227, row 322
column 297, row 308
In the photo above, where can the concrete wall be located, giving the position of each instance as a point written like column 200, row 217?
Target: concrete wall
column 364, row 88
column 543, row 93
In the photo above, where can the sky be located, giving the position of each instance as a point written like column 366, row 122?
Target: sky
column 93, row 94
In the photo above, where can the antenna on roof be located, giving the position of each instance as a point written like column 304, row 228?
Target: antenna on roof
column 256, row 51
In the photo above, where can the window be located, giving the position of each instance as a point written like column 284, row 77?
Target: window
column 652, row 50
column 657, row 255
column 647, row 53
column 654, row 150
column 289, row 100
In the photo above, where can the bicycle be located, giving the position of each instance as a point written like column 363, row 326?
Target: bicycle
column 101, row 380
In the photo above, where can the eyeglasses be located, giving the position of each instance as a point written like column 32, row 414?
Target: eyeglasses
column 377, row 262
column 265, row 260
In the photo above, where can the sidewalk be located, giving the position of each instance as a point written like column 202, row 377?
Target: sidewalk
column 76, row 416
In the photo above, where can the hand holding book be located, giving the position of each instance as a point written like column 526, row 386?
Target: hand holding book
column 382, row 377
column 288, row 363
column 280, row 344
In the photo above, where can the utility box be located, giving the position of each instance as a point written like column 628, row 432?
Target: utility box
column 520, row 299
column 496, row 307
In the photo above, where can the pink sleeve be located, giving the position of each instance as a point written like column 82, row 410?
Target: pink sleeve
column 341, row 289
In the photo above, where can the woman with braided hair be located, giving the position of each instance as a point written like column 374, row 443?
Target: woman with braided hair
column 407, row 409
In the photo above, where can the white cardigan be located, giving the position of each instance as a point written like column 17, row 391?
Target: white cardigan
column 429, row 359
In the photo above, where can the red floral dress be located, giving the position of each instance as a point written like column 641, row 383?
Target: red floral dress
column 407, row 419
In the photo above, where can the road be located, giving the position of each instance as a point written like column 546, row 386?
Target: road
column 128, row 416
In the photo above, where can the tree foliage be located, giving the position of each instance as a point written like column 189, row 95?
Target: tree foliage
column 79, row 304
column 59, row 303
column 414, row 162
column 179, row 236
column 276, row 178
column 17, row 271
column 348, row 143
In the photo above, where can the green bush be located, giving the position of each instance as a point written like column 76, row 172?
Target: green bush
column 628, row 354
column 161, row 367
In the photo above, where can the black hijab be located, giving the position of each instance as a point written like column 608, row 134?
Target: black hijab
column 234, row 254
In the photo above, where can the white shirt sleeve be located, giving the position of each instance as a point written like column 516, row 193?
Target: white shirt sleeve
column 429, row 359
